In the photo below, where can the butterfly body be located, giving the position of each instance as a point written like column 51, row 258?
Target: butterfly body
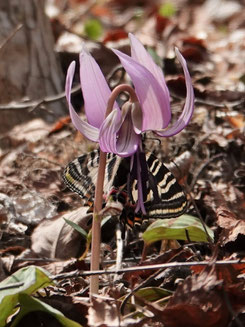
column 163, row 196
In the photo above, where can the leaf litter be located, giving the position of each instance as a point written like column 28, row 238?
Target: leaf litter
column 34, row 201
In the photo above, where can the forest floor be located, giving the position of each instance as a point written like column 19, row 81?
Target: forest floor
column 207, row 158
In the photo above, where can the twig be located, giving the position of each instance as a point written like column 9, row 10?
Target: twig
column 105, row 262
column 148, row 267
column 10, row 36
column 144, row 284
column 31, row 105
column 210, row 103
column 27, row 155
column 37, row 260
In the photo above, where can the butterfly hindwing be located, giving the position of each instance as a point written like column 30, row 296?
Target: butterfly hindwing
column 170, row 200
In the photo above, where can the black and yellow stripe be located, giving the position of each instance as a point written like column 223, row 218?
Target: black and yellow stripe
column 171, row 198
column 164, row 196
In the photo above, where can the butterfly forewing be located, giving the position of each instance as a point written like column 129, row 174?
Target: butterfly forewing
column 80, row 175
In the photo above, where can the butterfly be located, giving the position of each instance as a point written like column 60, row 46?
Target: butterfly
column 163, row 196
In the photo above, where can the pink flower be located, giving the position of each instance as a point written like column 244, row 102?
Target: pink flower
column 120, row 132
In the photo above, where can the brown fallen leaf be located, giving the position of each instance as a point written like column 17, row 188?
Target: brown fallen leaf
column 105, row 313
column 201, row 300
column 161, row 23
column 72, row 307
column 3, row 274
column 232, row 226
column 237, row 121
column 115, row 35
column 228, row 273
column 54, row 238
column 31, row 131
column 60, row 124
column 136, row 277
column 198, row 301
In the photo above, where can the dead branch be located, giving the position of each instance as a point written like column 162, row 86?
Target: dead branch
column 10, row 36
column 32, row 105
column 78, row 273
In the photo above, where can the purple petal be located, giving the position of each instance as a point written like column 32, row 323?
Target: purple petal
column 107, row 137
column 189, row 103
column 139, row 53
column 96, row 91
column 153, row 101
column 136, row 114
column 128, row 140
column 117, row 133
column 91, row 132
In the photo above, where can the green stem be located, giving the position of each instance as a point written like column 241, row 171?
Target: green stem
column 98, row 201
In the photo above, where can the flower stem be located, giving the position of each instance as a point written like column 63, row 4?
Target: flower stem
column 98, row 201
column 96, row 228
column 114, row 94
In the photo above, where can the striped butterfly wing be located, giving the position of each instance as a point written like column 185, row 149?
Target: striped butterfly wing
column 80, row 175
column 165, row 198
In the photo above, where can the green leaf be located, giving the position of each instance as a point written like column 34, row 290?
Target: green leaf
column 29, row 304
column 150, row 294
column 153, row 294
column 177, row 229
column 93, row 29
column 77, row 228
column 167, row 10
column 30, row 280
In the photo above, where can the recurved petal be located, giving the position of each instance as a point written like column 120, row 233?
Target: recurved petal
column 96, row 91
column 91, row 132
column 117, row 134
column 189, row 103
column 139, row 53
column 153, row 101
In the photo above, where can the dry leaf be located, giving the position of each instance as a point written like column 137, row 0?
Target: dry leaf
column 199, row 299
column 103, row 314
column 54, row 238
column 31, row 131
column 237, row 121
column 3, row 274
column 231, row 225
